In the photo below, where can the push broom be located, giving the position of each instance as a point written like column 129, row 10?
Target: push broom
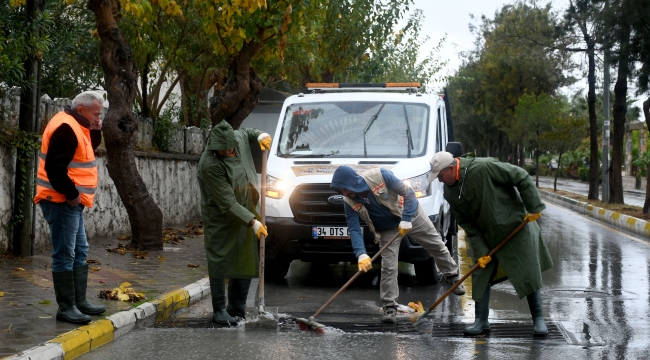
column 474, row 268
column 311, row 323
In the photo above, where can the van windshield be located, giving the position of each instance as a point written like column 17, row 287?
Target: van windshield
column 339, row 129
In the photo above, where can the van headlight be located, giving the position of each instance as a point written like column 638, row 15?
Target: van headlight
column 275, row 188
column 419, row 184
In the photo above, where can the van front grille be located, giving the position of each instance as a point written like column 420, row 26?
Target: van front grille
column 309, row 205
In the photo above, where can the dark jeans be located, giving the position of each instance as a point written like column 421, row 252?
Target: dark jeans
column 67, row 235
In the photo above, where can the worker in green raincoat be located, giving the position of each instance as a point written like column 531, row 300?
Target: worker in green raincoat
column 489, row 199
column 229, row 208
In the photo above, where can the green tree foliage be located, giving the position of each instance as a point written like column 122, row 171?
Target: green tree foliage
column 564, row 136
column 502, row 69
column 533, row 115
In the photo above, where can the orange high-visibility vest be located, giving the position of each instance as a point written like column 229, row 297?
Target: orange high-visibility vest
column 82, row 170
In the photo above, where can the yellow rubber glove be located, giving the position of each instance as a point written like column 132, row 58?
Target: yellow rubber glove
column 259, row 229
column 532, row 217
column 404, row 227
column 483, row 261
column 364, row 263
column 265, row 141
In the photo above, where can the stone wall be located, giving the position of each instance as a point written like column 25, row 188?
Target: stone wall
column 170, row 179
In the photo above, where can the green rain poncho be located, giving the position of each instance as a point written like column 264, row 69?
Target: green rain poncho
column 229, row 197
column 489, row 209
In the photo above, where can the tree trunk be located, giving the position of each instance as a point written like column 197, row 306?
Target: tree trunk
column 239, row 96
column 646, row 115
column 144, row 83
column 121, row 128
column 25, row 160
column 593, row 124
column 559, row 159
column 522, row 156
column 536, row 165
column 618, row 126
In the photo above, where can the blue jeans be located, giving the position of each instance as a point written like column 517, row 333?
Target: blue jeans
column 67, row 235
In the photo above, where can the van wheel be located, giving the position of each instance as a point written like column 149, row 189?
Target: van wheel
column 276, row 270
column 426, row 272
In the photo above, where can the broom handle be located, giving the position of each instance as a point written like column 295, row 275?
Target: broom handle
column 260, row 288
column 354, row 277
column 476, row 266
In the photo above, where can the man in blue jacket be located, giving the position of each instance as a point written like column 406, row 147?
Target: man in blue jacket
column 389, row 207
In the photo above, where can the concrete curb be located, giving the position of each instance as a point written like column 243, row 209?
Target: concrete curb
column 617, row 220
column 83, row 339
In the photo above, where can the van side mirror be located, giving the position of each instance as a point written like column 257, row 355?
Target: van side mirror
column 455, row 148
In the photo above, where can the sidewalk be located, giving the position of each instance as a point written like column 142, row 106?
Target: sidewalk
column 28, row 307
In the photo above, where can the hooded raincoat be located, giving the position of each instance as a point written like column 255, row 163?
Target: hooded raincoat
column 229, row 201
column 495, row 199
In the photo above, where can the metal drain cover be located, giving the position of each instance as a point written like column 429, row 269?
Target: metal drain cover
column 499, row 330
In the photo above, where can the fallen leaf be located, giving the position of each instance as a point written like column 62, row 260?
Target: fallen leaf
column 92, row 261
column 122, row 293
column 19, row 269
column 45, row 302
column 8, row 329
column 2, row 294
column 13, row 304
column 162, row 258
column 141, row 254
column 95, row 268
column 102, row 282
column 44, row 317
column 193, row 265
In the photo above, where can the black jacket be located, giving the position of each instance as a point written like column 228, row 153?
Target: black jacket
column 60, row 152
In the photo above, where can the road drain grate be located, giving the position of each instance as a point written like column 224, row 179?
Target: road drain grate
column 499, row 330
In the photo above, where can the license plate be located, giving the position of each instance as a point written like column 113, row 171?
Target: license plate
column 331, row 232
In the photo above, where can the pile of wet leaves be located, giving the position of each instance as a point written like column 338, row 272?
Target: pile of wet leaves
column 122, row 293
column 176, row 236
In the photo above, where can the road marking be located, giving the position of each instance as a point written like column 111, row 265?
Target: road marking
column 464, row 265
column 590, row 219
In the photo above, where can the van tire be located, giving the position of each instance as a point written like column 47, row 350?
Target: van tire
column 426, row 272
column 276, row 270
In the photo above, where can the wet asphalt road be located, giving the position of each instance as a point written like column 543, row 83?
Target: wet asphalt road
column 597, row 296
column 630, row 197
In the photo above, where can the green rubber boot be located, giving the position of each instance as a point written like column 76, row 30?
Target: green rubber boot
column 237, row 294
column 481, row 311
column 535, row 305
column 219, row 314
column 65, row 296
column 80, row 274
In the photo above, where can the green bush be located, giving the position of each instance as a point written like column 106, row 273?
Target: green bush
column 165, row 127
column 532, row 170
column 583, row 173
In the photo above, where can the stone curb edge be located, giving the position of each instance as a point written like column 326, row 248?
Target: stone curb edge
column 616, row 219
column 88, row 337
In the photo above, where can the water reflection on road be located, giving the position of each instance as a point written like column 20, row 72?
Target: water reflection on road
column 598, row 292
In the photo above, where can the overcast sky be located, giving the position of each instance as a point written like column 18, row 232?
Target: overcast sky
column 453, row 17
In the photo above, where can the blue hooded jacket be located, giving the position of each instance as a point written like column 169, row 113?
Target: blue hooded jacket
column 346, row 178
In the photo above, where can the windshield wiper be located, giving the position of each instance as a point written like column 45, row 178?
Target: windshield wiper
column 372, row 121
column 409, row 146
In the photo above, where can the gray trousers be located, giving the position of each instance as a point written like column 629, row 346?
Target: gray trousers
column 425, row 234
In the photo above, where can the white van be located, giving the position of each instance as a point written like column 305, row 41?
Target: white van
column 358, row 126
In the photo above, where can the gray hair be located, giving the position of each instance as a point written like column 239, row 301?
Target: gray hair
column 87, row 99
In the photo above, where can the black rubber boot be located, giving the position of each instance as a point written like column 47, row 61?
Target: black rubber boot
column 219, row 314
column 80, row 284
column 65, row 297
column 535, row 305
column 481, row 311
column 237, row 294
